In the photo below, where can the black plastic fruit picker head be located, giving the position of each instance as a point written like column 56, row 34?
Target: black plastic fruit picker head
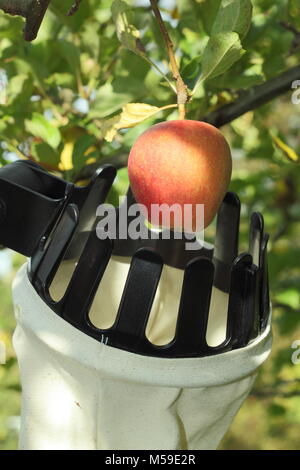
column 51, row 220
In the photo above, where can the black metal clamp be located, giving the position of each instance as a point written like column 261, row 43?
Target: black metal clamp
column 51, row 220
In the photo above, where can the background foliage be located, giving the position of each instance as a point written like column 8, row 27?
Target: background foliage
column 57, row 98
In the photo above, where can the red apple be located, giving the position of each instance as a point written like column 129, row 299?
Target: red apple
column 180, row 162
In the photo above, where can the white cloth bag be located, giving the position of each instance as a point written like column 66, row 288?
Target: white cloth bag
column 79, row 393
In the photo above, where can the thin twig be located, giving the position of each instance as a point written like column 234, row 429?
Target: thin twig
column 182, row 92
column 296, row 41
column 74, row 8
column 289, row 27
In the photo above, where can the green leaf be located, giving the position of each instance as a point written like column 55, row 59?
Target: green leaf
column 191, row 71
column 233, row 16
column 91, row 38
column 127, row 34
column 238, row 78
column 190, row 14
column 71, row 54
column 107, row 102
column 221, row 52
column 208, row 11
column 290, row 297
column 294, row 12
column 65, row 80
column 276, row 410
column 15, row 86
column 261, row 26
column 39, row 126
column 45, row 154
column 80, row 154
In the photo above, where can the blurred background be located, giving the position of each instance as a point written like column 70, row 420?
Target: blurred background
column 58, row 98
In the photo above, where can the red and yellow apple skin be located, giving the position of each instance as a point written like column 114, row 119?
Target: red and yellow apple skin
column 180, row 162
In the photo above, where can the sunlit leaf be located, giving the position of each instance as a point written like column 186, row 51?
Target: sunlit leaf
column 71, row 54
column 233, row 15
column 66, row 161
column 290, row 297
column 132, row 114
column 221, row 52
column 285, row 149
column 39, row 126
column 15, row 86
column 208, row 10
column 83, row 151
column 128, row 35
column 107, row 101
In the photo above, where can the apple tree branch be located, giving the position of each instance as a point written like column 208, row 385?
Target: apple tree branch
column 32, row 10
column 254, row 97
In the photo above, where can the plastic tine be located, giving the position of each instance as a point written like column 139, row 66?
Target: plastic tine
column 241, row 306
column 194, row 308
column 79, row 295
column 264, row 288
column 50, row 253
column 130, row 197
column 88, row 199
column 137, row 298
column 256, row 236
column 226, row 240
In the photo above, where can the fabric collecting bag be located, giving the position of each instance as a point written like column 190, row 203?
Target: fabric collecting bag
column 79, row 393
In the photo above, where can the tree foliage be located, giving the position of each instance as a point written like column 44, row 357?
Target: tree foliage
column 81, row 93
column 59, row 92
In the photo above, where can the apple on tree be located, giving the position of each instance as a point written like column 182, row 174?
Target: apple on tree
column 180, row 162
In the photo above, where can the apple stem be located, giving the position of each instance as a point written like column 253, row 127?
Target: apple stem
column 181, row 111
column 181, row 88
